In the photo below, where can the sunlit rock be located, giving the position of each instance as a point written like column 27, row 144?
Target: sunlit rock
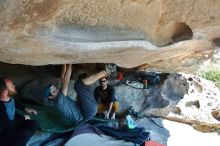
column 128, row 33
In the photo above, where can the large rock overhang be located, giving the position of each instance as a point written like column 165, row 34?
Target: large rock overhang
column 166, row 35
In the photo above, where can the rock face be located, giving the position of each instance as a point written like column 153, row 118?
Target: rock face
column 181, row 97
column 39, row 32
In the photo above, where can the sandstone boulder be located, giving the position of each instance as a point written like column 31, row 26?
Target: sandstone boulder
column 40, row 32
column 181, row 97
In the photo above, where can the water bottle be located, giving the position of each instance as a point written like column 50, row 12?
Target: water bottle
column 145, row 84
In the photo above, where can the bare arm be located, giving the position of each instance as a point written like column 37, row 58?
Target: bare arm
column 66, row 79
column 112, row 97
column 63, row 72
column 109, row 109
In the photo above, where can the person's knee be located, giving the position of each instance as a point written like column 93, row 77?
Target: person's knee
column 77, row 85
column 102, row 107
column 92, row 113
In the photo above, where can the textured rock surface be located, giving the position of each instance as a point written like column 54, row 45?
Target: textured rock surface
column 39, row 32
column 182, row 98
column 197, row 106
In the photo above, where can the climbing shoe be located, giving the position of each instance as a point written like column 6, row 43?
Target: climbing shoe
column 111, row 70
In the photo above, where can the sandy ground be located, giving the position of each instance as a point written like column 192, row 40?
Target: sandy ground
column 185, row 135
column 177, row 134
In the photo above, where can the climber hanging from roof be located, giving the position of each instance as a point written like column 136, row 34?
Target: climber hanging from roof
column 86, row 108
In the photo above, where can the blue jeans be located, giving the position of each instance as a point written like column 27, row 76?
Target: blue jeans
column 77, row 112
column 87, row 101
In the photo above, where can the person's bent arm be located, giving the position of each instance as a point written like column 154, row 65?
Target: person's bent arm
column 63, row 72
column 112, row 99
column 109, row 110
column 66, row 79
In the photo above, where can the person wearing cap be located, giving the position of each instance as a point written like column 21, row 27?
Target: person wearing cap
column 86, row 108
column 105, row 97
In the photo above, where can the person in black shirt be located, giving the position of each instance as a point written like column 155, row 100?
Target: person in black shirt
column 105, row 97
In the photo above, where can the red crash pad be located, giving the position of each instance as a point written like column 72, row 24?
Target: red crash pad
column 152, row 143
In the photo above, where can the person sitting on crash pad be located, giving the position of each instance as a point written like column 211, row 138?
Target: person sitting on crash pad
column 13, row 92
column 86, row 108
column 105, row 97
column 15, row 130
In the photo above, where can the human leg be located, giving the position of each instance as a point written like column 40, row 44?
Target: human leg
column 93, row 78
column 25, row 131
column 115, row 106
column 110, row 69
column 18, row 136
column 87, row 101
column 69, row 108
column 102, row 107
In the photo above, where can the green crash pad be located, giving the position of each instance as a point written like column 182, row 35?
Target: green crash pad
column 50, row 119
